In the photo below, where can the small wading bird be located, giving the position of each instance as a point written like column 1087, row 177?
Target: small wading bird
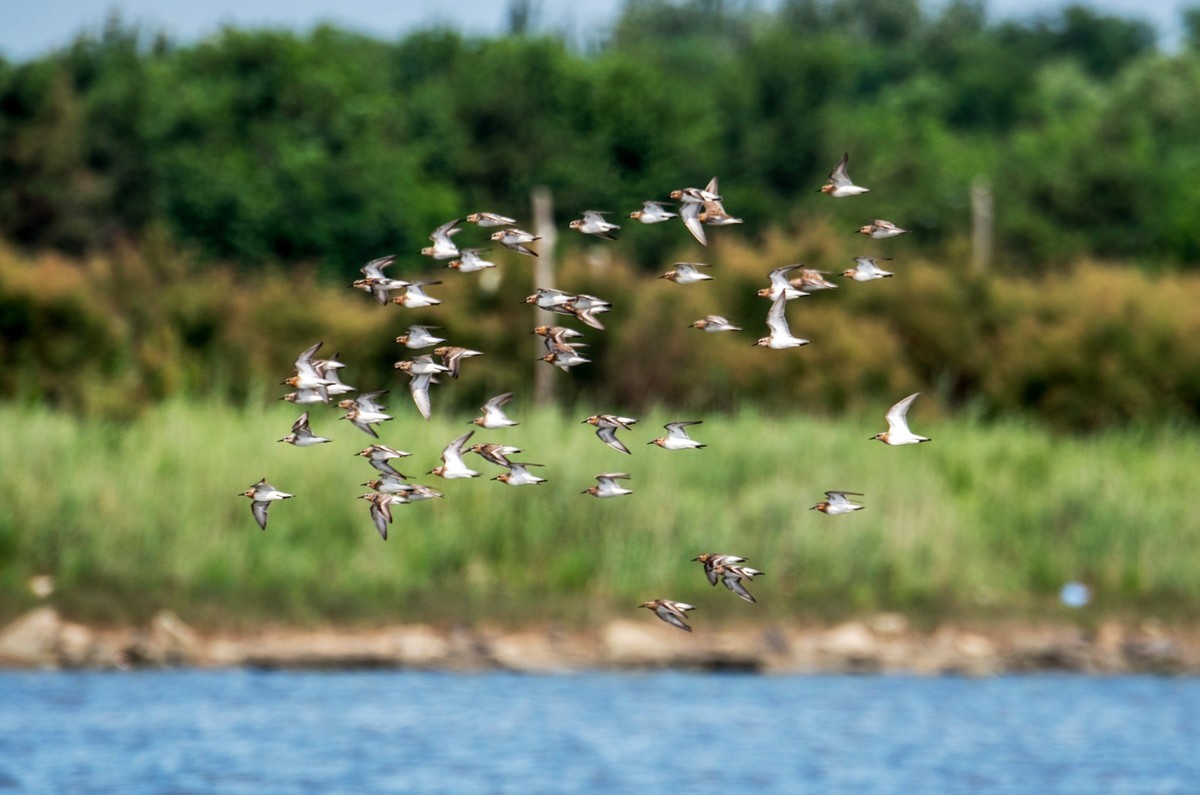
column 731, row 576
column 713, row 323
column 415, row 296
column 443, row 247
column 686, row 273
column 677, row 437
column 519, row 475
column 381, row 509
column 838, row 502
column 881, row 229
column 608, row 486
column 452, row 357
column 364, row 412
column 493, row 413
column 606, row 428
column 378, row 456
column 897, row 421
column 470, row 261
column 418, row 337
column 840, row 185
column 302, row 435
column 484, row 220
column 453, row 466
column 866, row 270
column 375, row 283
column 670, row 611
column 261, row 495
column 812, row 280
column 710, row 560
column 652, row 212
column 328, row 369
column 593, row 223
column 495, row 453
column 780, row 285
column 515, row 239
column 307, row 377
column 781, row 336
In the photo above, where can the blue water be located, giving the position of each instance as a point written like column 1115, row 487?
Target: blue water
column 262, row 732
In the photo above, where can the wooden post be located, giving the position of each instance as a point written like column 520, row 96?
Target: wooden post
column 543, row 277
column 981, row 224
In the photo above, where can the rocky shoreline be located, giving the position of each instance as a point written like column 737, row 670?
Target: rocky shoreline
column 885, row 643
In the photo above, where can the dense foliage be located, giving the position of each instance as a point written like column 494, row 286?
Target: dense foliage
column 331, row 147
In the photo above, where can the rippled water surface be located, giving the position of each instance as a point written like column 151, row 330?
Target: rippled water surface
column 259, row 732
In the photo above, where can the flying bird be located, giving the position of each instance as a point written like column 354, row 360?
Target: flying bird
column 670, row 611
column 840, row 184
column 302, row 435
column 897, row 421
column 677, row 437
column 838, row 502
column 261, row 495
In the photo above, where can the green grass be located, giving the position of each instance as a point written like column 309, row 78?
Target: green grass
column 986, row 522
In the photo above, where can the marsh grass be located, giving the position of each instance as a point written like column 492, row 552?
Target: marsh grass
column 986, row 522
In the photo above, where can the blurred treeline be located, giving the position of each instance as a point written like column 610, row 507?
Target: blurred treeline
column 182, row 218
column 1082, row 349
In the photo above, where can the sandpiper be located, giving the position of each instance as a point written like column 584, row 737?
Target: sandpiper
column 415, row 296
column 710, row 560
column 494, row 453
column 419, row 337
column 677, row 437
column 652, row 212
column 519, row 475
column 897, row 421
column 453, row 466
column 516, row 239
column 840, row 185
column 593, row 223
column 493, row 413
column 443, row 247
column 306, row 376
column 865, row 269
column 328, row 369
column 670, row 611
column 302, row 435
column 379, row 454
column 731, row 576
column 421, row 365
column 686, row 273
column 811, row 280
column 452, row 357
column 470, row 261
column 838, row 502
column 304, row 397
column 780, row 285
column 490, row 219
column 381, row 509
column 608, row 486
column 565, row 359
column 781, row 336
column 551, row 299
column 881, row 229
column 261, row 495
column 606, row 428
column 364, row 412
column 712, row 323
column 390, row 484
column 375, row 283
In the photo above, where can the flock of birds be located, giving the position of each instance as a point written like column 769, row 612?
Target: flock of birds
column 316, row 381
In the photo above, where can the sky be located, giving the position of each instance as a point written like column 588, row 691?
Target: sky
column 29, row 29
